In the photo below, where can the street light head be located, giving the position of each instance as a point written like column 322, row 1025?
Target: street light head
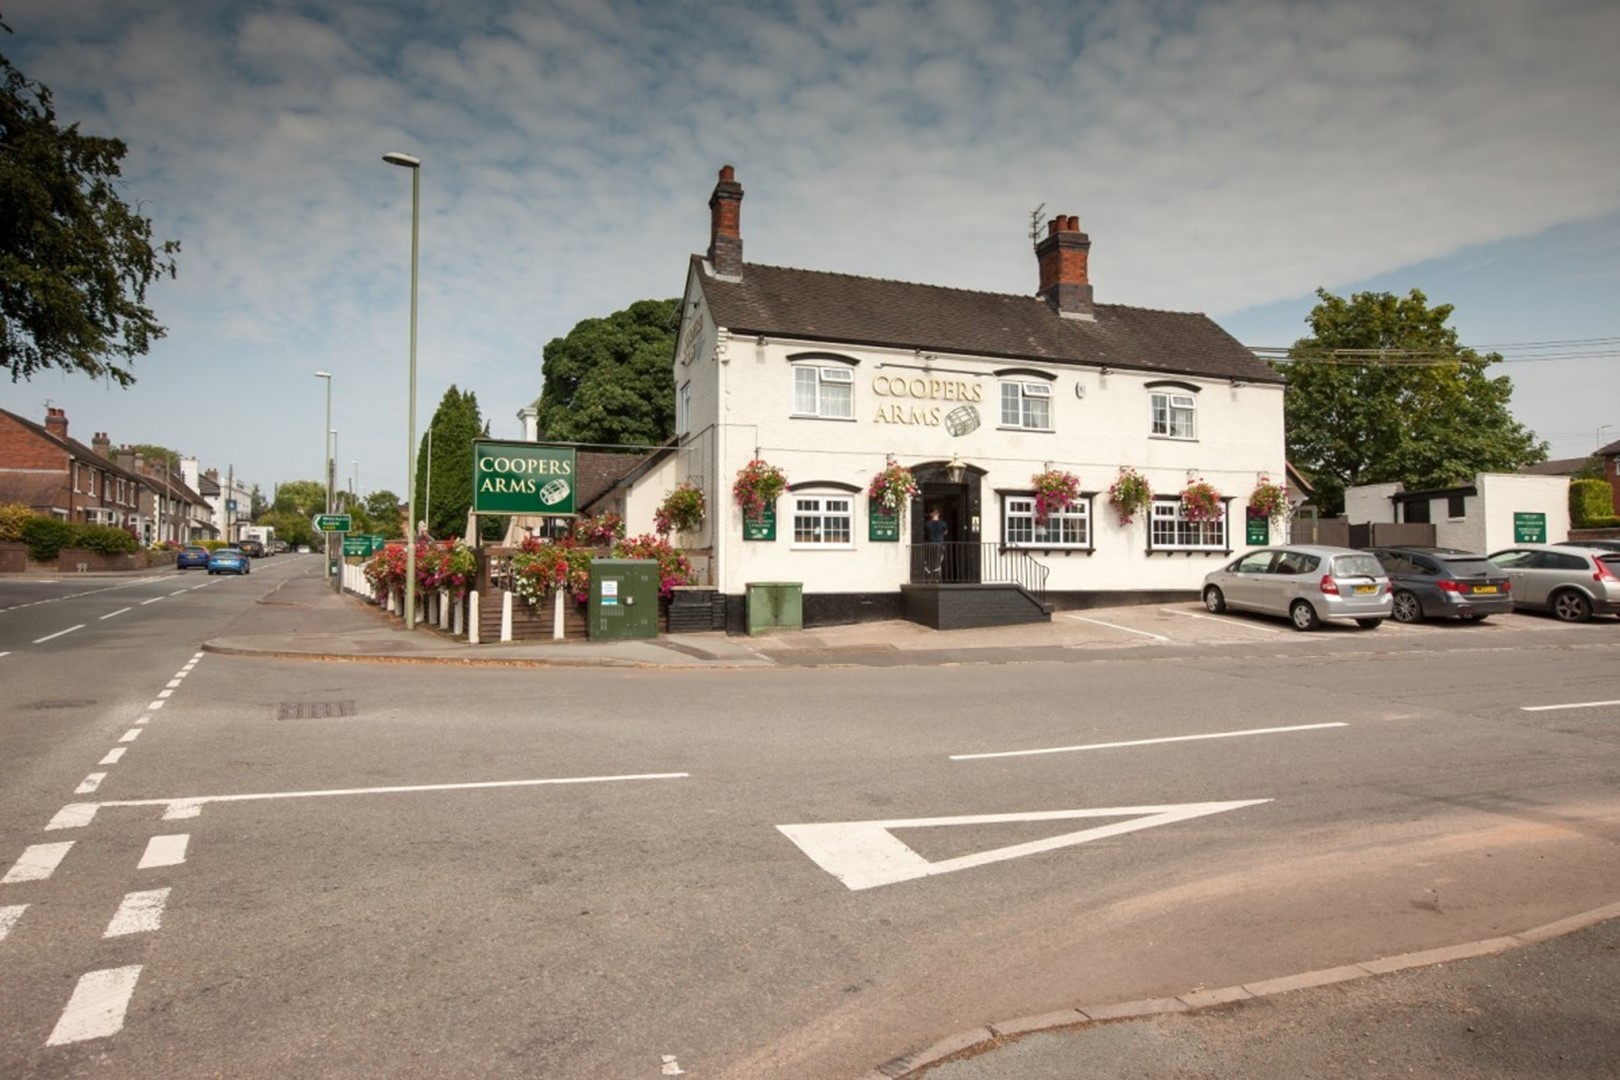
column 323, row 374
column 396, row 158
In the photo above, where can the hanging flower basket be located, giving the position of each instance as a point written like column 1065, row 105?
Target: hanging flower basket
column 681, row 511
column 893, row 489
column 1129, row 495
column 1268, row 500
column 1201, row 502
column 1055, row 492
column 758, row 485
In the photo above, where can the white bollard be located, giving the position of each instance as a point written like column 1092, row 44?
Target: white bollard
column 506, row 616
column 557, row 616
column 444, row 609
column 455, row 617
column 472, row 617
column 393, row 609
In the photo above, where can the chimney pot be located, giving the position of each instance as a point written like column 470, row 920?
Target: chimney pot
column 1062, row 257
column 725, row 225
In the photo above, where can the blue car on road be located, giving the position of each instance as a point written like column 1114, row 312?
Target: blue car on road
column 229, row 560
column 193, row 557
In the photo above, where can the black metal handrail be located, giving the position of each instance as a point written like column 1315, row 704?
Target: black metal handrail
column 963, row 562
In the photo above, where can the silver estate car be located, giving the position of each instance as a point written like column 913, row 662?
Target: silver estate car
column 1304, row 584
column 1571, row 582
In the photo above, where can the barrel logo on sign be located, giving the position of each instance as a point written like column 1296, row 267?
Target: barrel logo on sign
column 961, row 420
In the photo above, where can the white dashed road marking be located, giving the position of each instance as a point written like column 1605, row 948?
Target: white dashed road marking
column 165, row 851
column 120, row 611
column 140, row 913
column 113, row 755
column 1576, row 705
column 131, row 735
column 97, row 1006
column 8, row 918
column 1148, row 742
column 90, row 783
column 59, row 633
column 37, row 863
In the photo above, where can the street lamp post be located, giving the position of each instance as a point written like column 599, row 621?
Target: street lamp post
column 326, row 450
column 415, row 165
column 1601, row 429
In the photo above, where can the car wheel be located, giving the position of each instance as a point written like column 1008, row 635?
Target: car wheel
column 1571, row 606
column 1214, row 602
column 1407, row 608
column 1304, row 616
column 1369, row 624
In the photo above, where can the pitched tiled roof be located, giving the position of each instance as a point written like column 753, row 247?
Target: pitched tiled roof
column 827, row 307
column 1555, row 467
column 74, row 447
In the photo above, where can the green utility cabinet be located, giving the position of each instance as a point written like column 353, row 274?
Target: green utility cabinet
column 775, row 605
column 624, row 599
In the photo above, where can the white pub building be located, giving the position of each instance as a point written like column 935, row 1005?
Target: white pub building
column 831, row 378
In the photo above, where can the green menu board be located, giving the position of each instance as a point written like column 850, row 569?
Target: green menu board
column 762, row 527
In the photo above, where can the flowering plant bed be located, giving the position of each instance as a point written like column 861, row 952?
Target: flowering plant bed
column 1268, row 500
column 1055, row 492
column 758, row 485
column 1201, row 502
column 446, row 564
column 681, row 511
column 893, row 489
column 1129, row 494
column 541, row 567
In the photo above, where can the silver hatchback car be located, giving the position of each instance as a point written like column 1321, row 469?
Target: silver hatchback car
column 1305, row 584
column 1573, row 583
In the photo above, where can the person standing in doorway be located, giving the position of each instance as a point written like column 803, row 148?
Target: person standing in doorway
column 937, row 532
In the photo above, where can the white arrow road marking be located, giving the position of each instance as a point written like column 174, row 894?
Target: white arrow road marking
column 864, row 854
column 97, row 1006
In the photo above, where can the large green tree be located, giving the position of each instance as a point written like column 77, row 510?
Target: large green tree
column 75, row 259
column 447, row 461
column 609, row 380
column 1382, row 391
column 306, row 497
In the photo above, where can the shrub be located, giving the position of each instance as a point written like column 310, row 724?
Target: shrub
column 1590, row 502
column 12, row 517
column 104, row 540
column 46, row 537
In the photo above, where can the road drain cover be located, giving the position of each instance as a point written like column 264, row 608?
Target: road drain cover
column 314, row 710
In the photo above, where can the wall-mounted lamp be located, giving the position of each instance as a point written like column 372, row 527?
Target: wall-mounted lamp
column 1105, row 371
column 955, row 470
column 1238, row 384
column 1192, row 474
column 760, row 340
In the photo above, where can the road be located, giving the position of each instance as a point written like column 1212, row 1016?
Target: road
column 230, row 866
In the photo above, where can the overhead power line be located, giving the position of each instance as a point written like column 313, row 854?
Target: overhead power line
column 1529, row 352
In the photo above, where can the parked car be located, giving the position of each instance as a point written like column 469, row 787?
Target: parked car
column 192, row 557
column 1305, row 584
column 1570, row 582
column 254, row 549
column 1444, row 583
column 229, row 560
column 1601, row 545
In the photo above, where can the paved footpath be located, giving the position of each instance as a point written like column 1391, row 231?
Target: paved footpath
column 1536, row 1002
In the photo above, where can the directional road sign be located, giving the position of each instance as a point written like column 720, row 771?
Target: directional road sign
column 333, row 523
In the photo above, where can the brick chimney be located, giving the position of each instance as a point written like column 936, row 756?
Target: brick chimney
column 101, row 444
column 1062, row 256
column 56, row 421
column 725, row 225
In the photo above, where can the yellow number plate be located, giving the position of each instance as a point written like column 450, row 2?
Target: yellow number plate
column 1366, row 588
column 1484, row 589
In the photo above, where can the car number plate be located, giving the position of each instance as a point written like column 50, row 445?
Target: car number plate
column 1366, row 588
column 1485, row 589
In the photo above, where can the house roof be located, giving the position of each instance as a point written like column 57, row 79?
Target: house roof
column 1556, row 467
column 1609, row 451
column 74, row 447
column 843, row 308
column 598, row 473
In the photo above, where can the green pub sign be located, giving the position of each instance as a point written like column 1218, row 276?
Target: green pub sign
column 1259, row 531
column 883, row 528
column 523, row 478
column 762, row 527
column 1529, row 528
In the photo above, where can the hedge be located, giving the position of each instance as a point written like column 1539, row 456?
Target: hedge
column 1591, row 504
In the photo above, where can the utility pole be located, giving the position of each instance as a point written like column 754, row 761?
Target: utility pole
column 230, row 503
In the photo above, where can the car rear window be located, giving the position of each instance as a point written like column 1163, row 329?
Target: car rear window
column 1472, row 567
column 1356, row 566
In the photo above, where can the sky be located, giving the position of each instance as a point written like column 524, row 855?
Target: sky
column 1225, row 157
